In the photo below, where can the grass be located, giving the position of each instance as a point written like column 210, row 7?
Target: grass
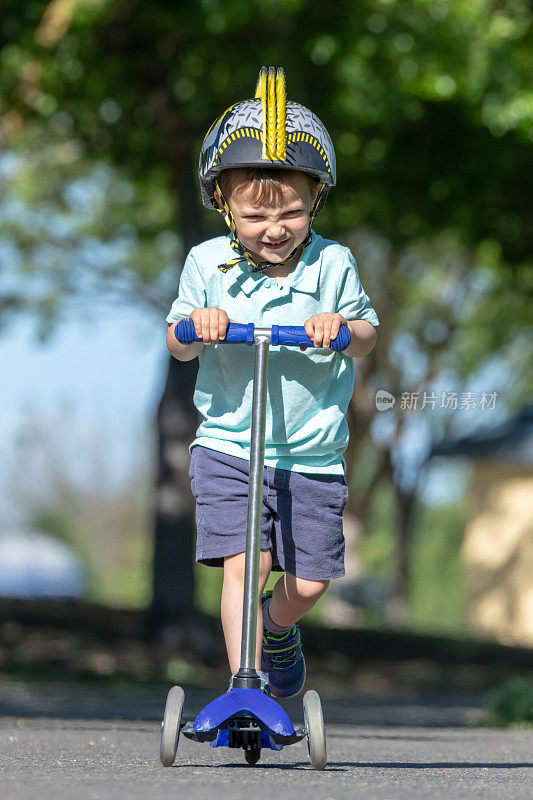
column 437, row 596
column 511, row 704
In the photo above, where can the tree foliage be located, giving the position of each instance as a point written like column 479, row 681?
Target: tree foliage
column 429, row 104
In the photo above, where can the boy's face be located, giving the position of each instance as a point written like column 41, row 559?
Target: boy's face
column 272, row 231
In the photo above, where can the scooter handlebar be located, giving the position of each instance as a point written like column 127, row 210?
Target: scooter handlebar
column 289, row 335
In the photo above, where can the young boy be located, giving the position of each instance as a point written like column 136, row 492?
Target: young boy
column 267, row 165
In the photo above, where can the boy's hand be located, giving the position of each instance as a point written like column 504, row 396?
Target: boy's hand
column 323, row 328
column 210, row 324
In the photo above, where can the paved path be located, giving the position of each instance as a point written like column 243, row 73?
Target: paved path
column 54, row 759
column 89, row 742
column 93, row 701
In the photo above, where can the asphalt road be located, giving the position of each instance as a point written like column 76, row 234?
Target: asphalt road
column 83, row 759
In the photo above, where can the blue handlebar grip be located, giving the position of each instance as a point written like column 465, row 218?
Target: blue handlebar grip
column 236, row 333
column 342, row 339
column 240, row 334
column 185, row 332
column 289, row 335
column 295, row 335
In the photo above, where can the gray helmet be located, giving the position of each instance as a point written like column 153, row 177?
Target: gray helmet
column 267, row 131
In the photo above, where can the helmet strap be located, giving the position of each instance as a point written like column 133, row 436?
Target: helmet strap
column 320, row 199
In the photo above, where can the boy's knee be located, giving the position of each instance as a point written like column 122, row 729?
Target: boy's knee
column 234, row 566
column 304, row 590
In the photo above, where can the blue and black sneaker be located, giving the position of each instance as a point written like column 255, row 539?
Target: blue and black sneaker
column 282, row 659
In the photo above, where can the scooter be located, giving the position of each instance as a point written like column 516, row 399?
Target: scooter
column 245, row 717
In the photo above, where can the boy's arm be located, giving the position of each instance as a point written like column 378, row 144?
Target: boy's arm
column 354, row 310
column 210, row 324
column 324, row 327
column 363, row 336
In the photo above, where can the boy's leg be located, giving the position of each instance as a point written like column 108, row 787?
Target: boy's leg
column 282, row 656
column 231, row 605
column 308, row 540
column 292, row 598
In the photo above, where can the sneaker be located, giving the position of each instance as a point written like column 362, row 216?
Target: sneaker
column 283, row 660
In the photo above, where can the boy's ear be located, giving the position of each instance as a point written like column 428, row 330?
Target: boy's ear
column 218, row 199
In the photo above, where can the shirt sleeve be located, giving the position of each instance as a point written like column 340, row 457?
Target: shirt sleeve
column 352, row 302
column 191, row 294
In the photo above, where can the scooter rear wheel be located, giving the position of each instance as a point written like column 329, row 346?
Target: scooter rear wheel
column 316, row 732
column 252, row 756
column 170, row 727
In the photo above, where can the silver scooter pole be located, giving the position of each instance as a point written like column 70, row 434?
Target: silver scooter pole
column 247, row 676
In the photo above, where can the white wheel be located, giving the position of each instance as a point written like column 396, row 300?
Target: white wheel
column 170, row 727
column 316, row 732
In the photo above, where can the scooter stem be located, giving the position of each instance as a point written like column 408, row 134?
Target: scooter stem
column 247, row 676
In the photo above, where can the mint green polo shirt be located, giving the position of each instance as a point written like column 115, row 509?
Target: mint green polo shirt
column 308, row 392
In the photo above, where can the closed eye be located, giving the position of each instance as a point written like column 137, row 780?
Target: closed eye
column 294, row 212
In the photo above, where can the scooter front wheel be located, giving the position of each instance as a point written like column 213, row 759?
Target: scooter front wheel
column 316, row 732
column 170, row 727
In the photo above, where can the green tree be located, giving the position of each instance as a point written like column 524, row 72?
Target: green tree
column 430, row 106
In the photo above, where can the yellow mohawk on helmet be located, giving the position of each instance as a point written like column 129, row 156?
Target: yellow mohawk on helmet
column 270, row 90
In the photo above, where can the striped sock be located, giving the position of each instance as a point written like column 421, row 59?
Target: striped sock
column 270, row 626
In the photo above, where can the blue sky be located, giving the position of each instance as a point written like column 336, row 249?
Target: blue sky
column 97, row 384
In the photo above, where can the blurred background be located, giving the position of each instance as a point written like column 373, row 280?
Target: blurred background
column 103, row 106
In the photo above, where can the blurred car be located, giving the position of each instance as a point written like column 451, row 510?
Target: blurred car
column 34, row 564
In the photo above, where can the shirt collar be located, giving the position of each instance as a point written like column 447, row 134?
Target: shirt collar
column 303, row 278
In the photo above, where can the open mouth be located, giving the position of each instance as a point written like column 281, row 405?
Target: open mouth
column 275, row 245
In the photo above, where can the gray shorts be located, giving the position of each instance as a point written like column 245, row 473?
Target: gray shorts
column 301, row 520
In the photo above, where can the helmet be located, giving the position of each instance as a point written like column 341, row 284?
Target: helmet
column 270, row 132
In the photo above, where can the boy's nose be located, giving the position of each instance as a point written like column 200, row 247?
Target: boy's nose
column 275, row 230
